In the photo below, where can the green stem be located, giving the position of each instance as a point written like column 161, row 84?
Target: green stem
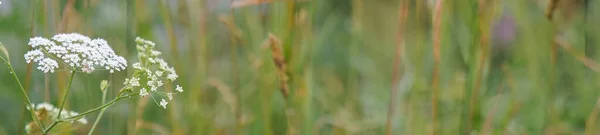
column 68, row 89
column 62, row 105
column 89, row 111
column 27, row 101
column 99, row 115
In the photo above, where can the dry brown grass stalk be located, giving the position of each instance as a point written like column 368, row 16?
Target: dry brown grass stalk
column 550, row 9
column 483, row 52
column 487, row 124
column 244, row 3
column 437, row 60
column 235, row 31
column 228, row 96
column 579, row 56
column 402, row 15
column 279, row 60
column 591, row 121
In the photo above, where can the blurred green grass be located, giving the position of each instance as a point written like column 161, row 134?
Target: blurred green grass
column 340, row 56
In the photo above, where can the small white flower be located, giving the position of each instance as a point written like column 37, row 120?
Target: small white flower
column 45, row 106
column 143, row 92
column 164, row 103
column 34, row 55
column 27, row 127
column 47, row 65
column 172, row 77
column 170, row 95
column 151, row 60
column 126, row 82
column 58, row 50
column 155, row 53
column 134, row 81
column 150, row 83
column 137, row 65
column 158, row 83
column 88, row 68
column 159, row 73
column 162, row 64
column 82, row 121
column 40, row 41
column 179, row 89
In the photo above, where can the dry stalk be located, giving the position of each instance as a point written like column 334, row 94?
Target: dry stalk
column 589, row 63
column 226, row 92
column 437, row 60
column 591, row 121
column 245, row 3
column 550, row 9
column 279, row 60
column 402, row 13
column 487, row 124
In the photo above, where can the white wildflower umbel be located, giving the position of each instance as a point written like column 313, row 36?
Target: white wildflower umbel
column 76, row 51
column 153, row 71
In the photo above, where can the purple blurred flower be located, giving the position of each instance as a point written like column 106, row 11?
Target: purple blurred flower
column 503, row 32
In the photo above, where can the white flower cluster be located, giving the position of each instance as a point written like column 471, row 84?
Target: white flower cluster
column 153, row 70
column 53, row 112
column 75, row 50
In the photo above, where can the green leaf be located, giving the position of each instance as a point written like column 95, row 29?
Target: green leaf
column 4, row 51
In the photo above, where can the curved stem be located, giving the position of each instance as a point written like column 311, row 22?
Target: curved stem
column 62, row 105
column 89, row 111
column 27, row 101
column 68, row 89
column 99, row 115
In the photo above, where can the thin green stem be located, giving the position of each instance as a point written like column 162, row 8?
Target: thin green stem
column 68, row 89
column 89, row 111
column 62, row 105
column 99, row 115
column 51, row 126
column 27, row 101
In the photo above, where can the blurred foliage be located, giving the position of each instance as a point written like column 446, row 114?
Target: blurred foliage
column 340, row 57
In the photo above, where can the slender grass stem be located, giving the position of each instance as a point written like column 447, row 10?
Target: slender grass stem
column 99, row 115
column 27, row 101
column 437, row 60
column 67, row 89
column 62, row 105
column 591, row 121
column 402, row 13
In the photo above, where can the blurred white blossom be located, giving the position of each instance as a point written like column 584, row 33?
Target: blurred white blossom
column 50, row 112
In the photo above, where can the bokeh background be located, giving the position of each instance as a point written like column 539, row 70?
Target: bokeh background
column 353, row 66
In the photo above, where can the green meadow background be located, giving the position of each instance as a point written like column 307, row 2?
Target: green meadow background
column 353, row 66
